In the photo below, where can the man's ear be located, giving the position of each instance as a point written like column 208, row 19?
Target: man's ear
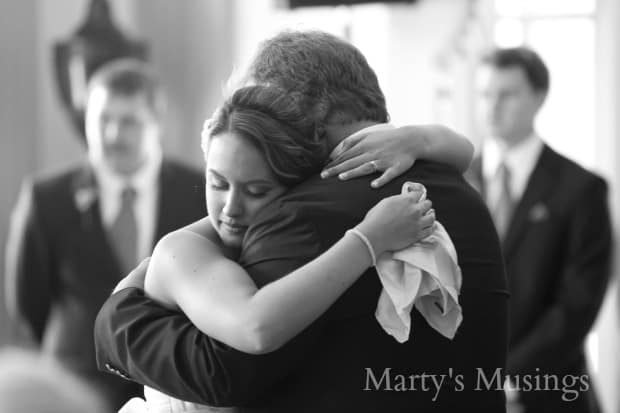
column 540, row 99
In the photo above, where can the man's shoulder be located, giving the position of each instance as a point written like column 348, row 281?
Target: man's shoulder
column 569, row 171
column 331, row 206
column 50, row 186
column 49, row 197
column 176, row 169
column 358, row 195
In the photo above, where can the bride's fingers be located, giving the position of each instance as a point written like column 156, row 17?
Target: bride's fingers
column 423, row 206
column 350, row 153
column 141, row 269
column 389, row 174
column 348, row 143
column 346, row 166
column 366, row 168
column 144, row 263
column 415, row 196
column 135, row 278
column 427, row 221
column 426, row 231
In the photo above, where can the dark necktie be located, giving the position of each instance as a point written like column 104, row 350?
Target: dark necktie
column 124, row 232
column 502, row 210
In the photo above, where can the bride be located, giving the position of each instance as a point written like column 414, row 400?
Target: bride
column 256, row 146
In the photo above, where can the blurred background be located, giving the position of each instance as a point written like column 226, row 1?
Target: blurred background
column 425, row 53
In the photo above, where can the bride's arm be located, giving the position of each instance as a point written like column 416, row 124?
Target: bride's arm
column 394, row 151
column 441, row 144
column 221, row 300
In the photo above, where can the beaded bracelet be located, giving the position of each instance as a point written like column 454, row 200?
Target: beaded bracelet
column 365, row 240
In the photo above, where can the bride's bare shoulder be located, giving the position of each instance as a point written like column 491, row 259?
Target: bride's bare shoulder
column 204, row 228
column 196, row 237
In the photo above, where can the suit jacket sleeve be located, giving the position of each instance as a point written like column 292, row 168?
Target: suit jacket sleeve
column 162, row 349
column 561, row 330
column 29, row 267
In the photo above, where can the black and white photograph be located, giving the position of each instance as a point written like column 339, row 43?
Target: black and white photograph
column 291, row 206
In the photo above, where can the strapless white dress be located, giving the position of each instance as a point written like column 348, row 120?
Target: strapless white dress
column 157, row 402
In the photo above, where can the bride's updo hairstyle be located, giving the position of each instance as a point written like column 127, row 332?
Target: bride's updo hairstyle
column 272, row 121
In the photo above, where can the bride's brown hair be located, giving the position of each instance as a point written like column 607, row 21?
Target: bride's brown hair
column 272, row 121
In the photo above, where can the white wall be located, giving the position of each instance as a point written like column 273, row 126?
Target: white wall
column 608, row 162
column 192, row 47
column 17, row 110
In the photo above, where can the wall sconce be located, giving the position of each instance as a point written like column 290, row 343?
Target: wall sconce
column 94, row 43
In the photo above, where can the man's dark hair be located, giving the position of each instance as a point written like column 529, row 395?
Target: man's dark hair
column 528, row 60
column 328, row 77
column 129, row 77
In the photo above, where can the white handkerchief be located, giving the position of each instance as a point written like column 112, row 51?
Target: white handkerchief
column 134, row 405
column 425, row 275
column 157, row 402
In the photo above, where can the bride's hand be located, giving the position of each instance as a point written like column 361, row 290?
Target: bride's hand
column 398, row 221
column 135, row 278
column 392, row 152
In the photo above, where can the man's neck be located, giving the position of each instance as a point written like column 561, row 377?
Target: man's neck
column 336, row 133
column 510, row 142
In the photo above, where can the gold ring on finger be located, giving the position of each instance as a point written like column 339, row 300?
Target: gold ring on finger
column 374, row 166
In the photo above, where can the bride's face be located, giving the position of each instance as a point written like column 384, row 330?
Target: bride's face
column 239, row 184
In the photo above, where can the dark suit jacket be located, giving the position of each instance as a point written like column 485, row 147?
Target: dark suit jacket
column 557, row 251
column 61, row 267
column 344, row 362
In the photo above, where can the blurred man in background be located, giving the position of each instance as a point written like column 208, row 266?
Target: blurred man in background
column 553, row 219
column 75, row 234
column 33, row 384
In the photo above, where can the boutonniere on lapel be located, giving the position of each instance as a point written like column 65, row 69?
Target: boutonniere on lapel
column 539, row 212
column 85, row 197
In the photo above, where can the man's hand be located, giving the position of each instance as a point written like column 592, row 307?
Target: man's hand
column 135, row 278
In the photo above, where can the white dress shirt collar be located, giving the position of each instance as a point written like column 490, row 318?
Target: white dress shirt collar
column 520, row 160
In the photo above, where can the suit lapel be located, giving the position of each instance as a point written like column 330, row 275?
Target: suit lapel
column 536, row 191
column 86, row 199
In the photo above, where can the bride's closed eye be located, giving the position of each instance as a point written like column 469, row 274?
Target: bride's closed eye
column 217, row 183
column 252, row 189
column 257, row 191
